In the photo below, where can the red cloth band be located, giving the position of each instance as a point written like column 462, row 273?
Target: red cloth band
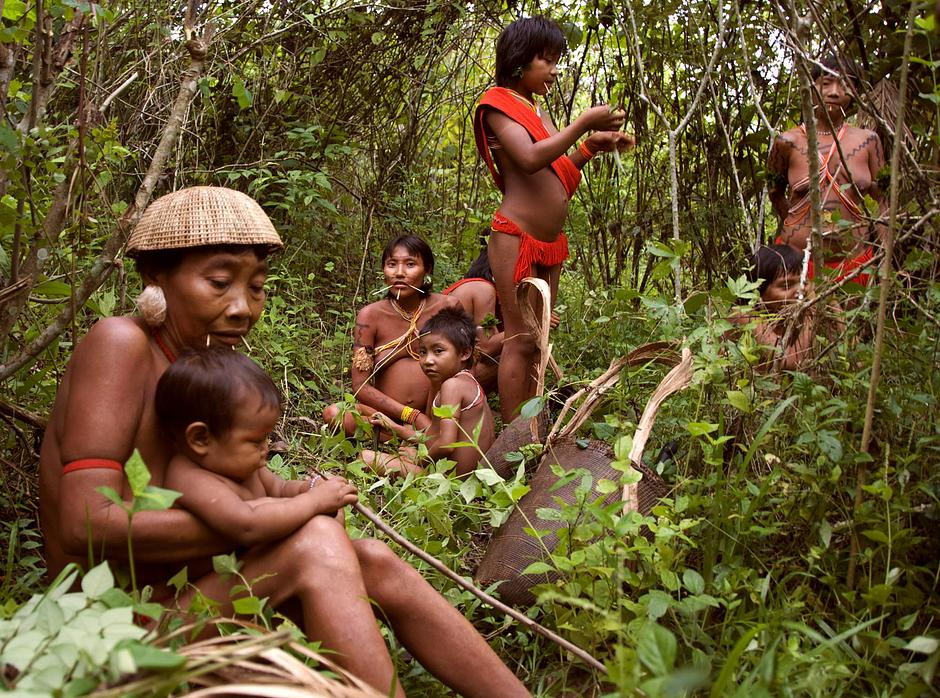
column 89, row 463
column 845, row 266
column 447, row 291
column 531, row 250
column 505, row 101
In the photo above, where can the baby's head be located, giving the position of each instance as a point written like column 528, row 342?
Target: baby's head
column 446, row 344
column 219, row 407
column 778, row 268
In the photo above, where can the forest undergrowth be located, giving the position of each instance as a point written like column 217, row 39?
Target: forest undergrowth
column 786, row 560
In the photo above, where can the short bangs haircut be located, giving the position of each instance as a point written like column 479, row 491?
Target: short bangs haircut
column 151, row 262
column 456, row 327
column 843, row 67
column 417, row 247
column 770, row 262
column 522, row 41
column 209, row 385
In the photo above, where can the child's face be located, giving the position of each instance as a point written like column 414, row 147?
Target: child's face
column 540, row 74
column 781, row 291
column 439, row 357
column 243, row 449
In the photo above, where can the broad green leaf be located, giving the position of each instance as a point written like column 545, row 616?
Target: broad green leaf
column 656, row 649
column 470, row 489
column 138, row 475
column 225, row 564
column 531, row 408
column 538, row 567
column 148, row 657
column 488, row 476
column 155, row 499
column 241, row 93
column 739, row 400
column 248, row 606
column 700, row 428
column 97, row 581
column 693, row 581
column 923, row 644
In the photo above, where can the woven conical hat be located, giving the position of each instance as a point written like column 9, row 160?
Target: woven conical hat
column 199, row 216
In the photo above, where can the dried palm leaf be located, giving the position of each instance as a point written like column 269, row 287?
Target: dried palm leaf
column 883, row 101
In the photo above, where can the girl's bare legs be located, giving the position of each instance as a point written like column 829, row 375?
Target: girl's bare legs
column 434, row 632
column 517, row 380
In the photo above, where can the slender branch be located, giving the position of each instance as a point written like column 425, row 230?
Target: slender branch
column 476, row 591
column 105, row 262
column 885, row 277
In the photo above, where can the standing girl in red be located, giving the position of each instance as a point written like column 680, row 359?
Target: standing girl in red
column 527, row 158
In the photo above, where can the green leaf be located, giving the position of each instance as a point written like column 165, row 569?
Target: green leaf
column 470, row 489
column 923, row 644
column 739, row 400
column 700, row 428
column 656, row 649
column 148, row 657
column 538, row 567
column 138, row 476
column 225, row 564
column 825, row 532
column 179, row 580
column 13, row 10
column 241, row 93
column 658, row 602
column 155, row 499
column 532, row 407
column 693, row 581
column 97, row 581
column 248, row 606
column 488, row 476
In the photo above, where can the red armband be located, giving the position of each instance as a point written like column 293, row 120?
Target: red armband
column 89, row 463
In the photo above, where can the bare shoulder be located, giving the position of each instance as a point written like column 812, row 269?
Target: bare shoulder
column 438, row 301
column 789, row 138
column 114, row 344
column 456, row 390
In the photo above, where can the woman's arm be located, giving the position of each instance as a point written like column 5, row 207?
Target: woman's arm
column 364, row 337
column 254, row 521
column 531, row 156
column 110, row 379
column 453, row 392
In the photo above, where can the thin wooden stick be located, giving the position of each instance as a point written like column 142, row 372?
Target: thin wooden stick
column 479, row 593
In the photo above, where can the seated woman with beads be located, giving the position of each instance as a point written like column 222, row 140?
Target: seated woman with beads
column 386, row 376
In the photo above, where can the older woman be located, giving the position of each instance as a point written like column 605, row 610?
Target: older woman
column 843, row 182
column 202, row 253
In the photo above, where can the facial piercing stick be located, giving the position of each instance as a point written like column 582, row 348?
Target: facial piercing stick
column 245, row 342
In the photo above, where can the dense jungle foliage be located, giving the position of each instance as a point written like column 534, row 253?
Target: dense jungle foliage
column 792, row 557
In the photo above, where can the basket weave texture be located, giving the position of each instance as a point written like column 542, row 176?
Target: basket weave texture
column 198, row 216
column 517, row 434
column 511, row 549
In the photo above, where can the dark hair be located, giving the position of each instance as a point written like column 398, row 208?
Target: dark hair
column 770, row 262
column 844, row 67
column 457, row 327
column 209, row 385
column 152, row 262
column 415, row 246
column 480, row 269
column 522, row 41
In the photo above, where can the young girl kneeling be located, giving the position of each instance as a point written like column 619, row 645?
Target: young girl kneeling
column 446, row 349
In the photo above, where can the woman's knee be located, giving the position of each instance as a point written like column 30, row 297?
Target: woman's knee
column 321, row 549
column 383, row 571
column 330, row 413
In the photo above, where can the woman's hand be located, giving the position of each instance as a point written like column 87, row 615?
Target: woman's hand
column 607, row 141
column 329, row 496
column 602, row 118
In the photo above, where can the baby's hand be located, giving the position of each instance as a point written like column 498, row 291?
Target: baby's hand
column 328, row 496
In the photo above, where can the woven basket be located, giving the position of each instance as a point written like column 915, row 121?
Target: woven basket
column 511, row 438
column 511, row 549
column 199, row 216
